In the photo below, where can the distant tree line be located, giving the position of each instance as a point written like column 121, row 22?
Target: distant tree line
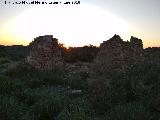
column 71, row 54
column 15, row 52
column 76, row 54
column 86, row 53
column 152, row 52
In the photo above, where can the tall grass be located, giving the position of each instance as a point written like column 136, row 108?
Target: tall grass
column 79, row 109
column 12, row 109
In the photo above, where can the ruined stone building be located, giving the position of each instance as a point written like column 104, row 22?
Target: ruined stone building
column 115, row 54
column 44, row 53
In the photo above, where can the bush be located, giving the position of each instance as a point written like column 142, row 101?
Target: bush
column 104, row 93
column 11, row 87
column 54, row 78
column 34, row 95
column 12, row 109
column 6, row 85
column 101, row 96
column 130, row 111
column 40, row 79
column 35, row 83
column 4, row 61
column 20, row 70
column 76, row 81
column 36, row 78
column 47, row 105
column 135, row 84
column 79, row 109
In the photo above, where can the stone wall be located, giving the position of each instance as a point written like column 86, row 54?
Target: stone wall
column 115, row 54
column 44, row 53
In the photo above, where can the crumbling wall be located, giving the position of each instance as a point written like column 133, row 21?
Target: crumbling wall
column 45, row 53
column 115, row 54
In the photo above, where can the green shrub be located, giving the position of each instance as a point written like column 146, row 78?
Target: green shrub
column 20, row 70
column 36, row 78
column 35, row 83
column 54, row 78
column 12, row 109
column 135, row 84
column 104, row 93
column 48, row 106
column 130, row 111
column 40, row 79
column 12, row 87
column 79, row 109
column 6, row 85
column 31, row 96
column 4, row 60
column 76, row 81
column 19, row 89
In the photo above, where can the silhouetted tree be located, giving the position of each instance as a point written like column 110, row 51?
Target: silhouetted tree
column 75, row 54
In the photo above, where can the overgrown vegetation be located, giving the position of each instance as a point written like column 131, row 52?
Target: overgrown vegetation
column 76, row 54
column 15, row 52
column 30, row 94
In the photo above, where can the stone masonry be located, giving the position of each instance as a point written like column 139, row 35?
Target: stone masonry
column 45, row 53
column 115, row 54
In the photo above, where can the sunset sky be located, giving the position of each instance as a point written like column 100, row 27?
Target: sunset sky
column 90, row 22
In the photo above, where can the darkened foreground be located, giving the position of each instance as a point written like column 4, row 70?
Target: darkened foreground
column 80, row 90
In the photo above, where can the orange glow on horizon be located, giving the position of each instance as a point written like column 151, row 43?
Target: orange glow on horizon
column 9, row 40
